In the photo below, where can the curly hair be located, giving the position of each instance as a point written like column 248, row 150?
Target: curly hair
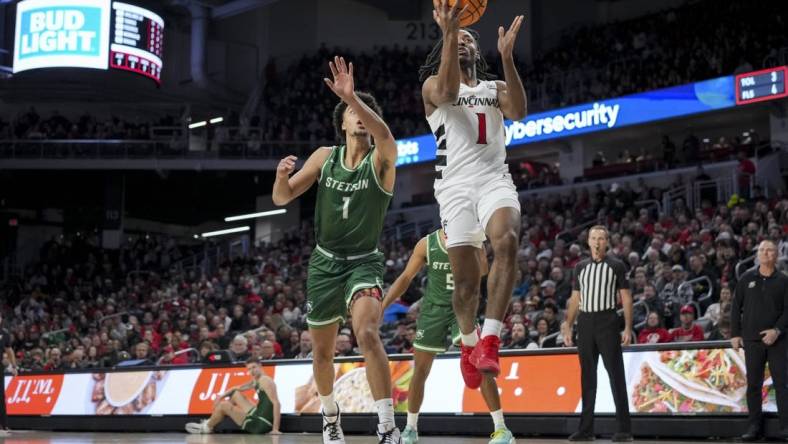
column 339, row 112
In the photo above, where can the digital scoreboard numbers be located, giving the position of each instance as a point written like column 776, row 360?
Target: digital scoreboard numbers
column 758, row 86
column 137, row 40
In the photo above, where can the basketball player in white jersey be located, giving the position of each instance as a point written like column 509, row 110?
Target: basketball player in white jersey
column 473, row 187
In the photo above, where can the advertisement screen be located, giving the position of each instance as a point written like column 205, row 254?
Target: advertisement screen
column 137, row 40
column 669, row 382
column 62, row 33
column 651, row 106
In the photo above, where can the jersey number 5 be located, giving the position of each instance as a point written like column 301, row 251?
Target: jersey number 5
column 450, row 282
column 482, row 138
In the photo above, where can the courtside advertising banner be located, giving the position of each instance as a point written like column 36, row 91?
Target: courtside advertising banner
column 62, row 33
column 670, row 382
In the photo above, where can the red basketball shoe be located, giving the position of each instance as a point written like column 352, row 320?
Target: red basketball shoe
column 485, row 355
column 471, row 376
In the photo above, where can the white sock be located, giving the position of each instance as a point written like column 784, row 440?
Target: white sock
column 491, row 327
column 470, row 339
column 385, row 408
column 498, row 421
column 413, row 420
column 329, row 404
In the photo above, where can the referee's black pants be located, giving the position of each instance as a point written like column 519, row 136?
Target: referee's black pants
column 3, row 420
column 756, row 355
column 599, row 333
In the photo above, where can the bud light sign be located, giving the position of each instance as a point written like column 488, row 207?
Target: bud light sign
column 62, row 33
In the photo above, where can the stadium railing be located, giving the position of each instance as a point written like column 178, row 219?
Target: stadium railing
column 160, row 149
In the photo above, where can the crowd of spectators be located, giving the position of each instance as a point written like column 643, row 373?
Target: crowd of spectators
column 81, row 306
column 692, row 150
column 31, row 125
column 662, row 252
column 699, row 40
column 696, row 41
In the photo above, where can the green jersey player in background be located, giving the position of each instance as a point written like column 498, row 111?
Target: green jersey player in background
column 437, row 322
column 260, row 418
column 355, row 183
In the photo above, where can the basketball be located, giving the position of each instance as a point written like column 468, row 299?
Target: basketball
column 471, row 15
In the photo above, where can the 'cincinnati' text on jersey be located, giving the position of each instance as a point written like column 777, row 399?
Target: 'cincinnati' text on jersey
column 477, row 101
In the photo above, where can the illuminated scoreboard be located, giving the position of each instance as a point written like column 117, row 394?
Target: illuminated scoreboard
column 137, row 40
column 757, row 86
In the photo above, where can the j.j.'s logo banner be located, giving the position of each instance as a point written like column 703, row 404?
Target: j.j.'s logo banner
column 62, row 33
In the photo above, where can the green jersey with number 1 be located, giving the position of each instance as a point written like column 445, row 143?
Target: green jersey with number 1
column 440, row 281
column 351, row 205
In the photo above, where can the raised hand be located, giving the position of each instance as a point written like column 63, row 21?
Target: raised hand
column 342, row 85
column 448, row 17
column 506, row 38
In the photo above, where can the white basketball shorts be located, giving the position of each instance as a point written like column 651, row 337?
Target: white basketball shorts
column 466, row 208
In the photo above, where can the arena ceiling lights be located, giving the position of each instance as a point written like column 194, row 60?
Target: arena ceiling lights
column 227, row 231
column 202, row 123
column 255, row 215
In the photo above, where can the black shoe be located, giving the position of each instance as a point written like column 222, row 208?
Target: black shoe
column 391, row 436
column 581, row 436
column 622, row 437
column 752, row 435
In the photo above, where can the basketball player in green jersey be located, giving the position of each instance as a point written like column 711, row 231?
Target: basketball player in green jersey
column 255, row 419
column 355, row 181
column 436, row 322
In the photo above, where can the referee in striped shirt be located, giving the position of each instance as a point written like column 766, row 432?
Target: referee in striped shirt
column 596, row 283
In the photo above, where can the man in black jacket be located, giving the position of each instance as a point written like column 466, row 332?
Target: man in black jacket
column 520, row 339
column 5, row 349
column 759, row 319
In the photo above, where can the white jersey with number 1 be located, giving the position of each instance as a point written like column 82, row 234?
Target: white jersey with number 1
column 470, row 136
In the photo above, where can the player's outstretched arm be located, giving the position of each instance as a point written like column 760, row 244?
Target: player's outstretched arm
column 417, row 260
column 343, row 85
column 287, row 188
column 269, row 387
column 511, row 93
column 445, row 86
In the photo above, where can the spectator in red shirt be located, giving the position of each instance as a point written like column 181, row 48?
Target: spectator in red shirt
column 688, row 331
column 253, row 298
column 653, row 332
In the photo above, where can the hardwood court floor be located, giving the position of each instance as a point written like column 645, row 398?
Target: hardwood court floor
column 36, row 437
